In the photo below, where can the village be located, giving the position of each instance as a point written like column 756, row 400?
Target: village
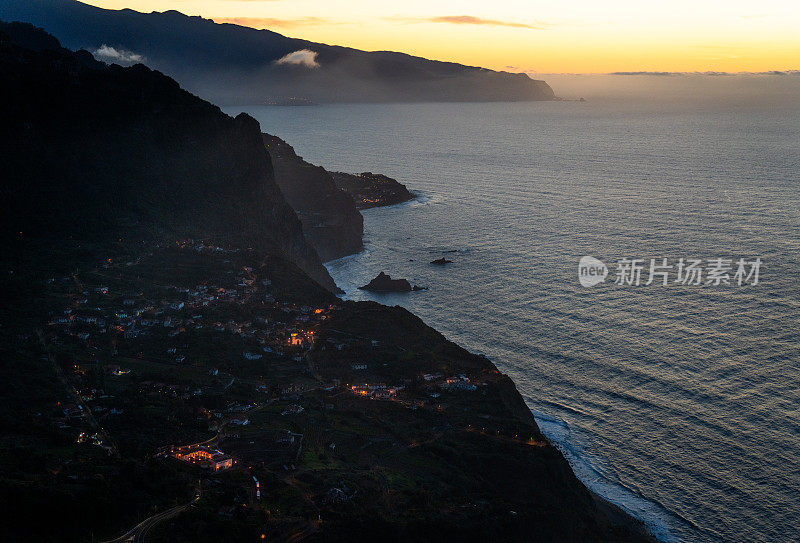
column 208, row 361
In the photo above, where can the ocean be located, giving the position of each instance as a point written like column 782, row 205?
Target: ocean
column 680, row 403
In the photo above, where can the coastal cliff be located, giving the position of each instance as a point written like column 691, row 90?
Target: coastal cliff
column 329, row 216
column 328, row 203
column 142, row 371
column 372, row 189
column 106, row 152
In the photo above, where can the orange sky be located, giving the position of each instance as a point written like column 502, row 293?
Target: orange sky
column 577, row 36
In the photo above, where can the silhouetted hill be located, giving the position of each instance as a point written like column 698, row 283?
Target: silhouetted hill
column 97, row 152
column 236, row 65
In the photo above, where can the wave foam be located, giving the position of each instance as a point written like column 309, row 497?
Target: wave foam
column 594, row 472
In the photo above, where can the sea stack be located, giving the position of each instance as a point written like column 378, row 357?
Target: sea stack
column 384, row 283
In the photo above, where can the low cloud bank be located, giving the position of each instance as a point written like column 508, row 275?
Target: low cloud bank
column 303, row 57
column 109, row 54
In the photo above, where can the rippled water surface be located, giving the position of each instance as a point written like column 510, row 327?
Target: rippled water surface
column 680, row 403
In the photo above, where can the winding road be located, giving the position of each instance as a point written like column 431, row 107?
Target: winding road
column 138, row 533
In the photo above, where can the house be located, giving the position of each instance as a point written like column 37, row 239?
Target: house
column 291, row 392
column 221, row 462
column 205, row 457
column 293, row 409
column 382, row 394
column 462, row 385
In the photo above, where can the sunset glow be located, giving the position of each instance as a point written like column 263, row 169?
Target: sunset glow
column 517, row 35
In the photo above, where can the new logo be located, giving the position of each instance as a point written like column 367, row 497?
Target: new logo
column 591, row 271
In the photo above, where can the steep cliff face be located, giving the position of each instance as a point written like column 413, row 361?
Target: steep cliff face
column 97, row 152
column 329, row 216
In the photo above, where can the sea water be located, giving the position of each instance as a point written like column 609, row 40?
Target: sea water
column 680, row 403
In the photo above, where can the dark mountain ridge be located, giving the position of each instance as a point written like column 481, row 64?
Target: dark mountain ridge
column 231, row 64
column 98, row 152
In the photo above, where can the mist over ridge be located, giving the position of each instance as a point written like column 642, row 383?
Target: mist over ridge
column 230, row 64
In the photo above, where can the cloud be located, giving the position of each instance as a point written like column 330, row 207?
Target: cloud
column 118, row 56
column 471, row 20
column 268, row 22
column 646, row 73
column 303, row 57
